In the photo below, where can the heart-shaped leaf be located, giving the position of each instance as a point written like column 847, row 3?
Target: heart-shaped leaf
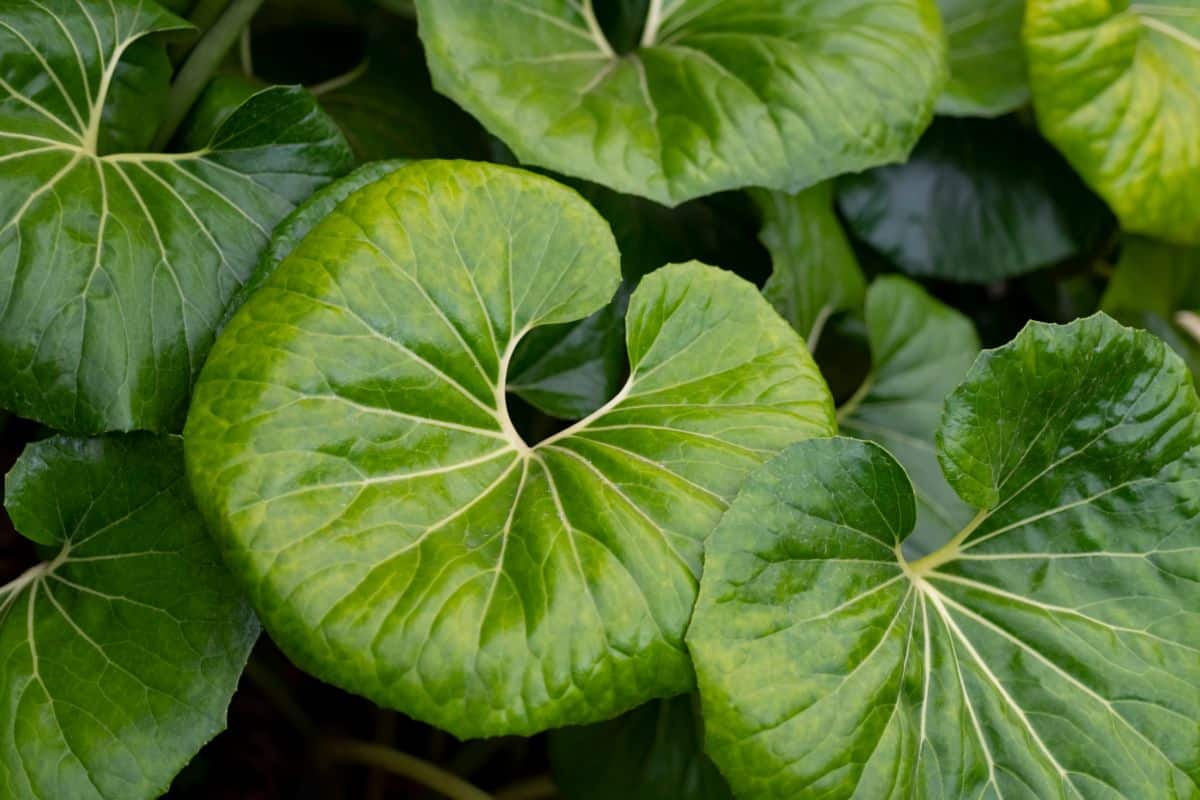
column 987, row 59
column 115, row 266
column 920, row 350
column 718, row 94
column 1116, row 86
column 652, row 752
column 350, row 441
column 815, row 272
column 1048, row 650
column 980, row 200
column 120, row 653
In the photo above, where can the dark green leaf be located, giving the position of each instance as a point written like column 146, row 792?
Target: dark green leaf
column 978, row 201
column 1049, row 650
column 120, row 653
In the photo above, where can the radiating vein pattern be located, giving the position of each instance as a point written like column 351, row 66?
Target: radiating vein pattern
column 718, row 95
column 351, row 440
column 116, row 265
column 1051, row 649
column 119, row 655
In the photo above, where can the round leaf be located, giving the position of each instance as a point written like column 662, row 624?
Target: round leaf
column 717, row 95
column 1116, row 87
column 1048, row 650
column 980, row 200
column 350, row 442
column 115, row 266
column 121, row 653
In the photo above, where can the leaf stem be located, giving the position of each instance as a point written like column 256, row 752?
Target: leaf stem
column 196, row 72
column 947, row 552
column 856, row 399
column 273, row 689
column 654, row 19
column 405, row 765
column 203, row 16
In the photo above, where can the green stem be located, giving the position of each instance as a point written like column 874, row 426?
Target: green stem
column 851, row 405
column 196, row 72
column 405, row 765
column 203, row 16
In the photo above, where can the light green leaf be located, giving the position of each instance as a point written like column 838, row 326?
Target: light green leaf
column 115, row 266
column 719, row 94
column 350, row 442
column 1048, row 651
column 987, row 60
column 119, row 654
column 815, row 272
column 651, row 753
column 1116, row 86
column 979, row 201
column 920, row 350
column 1156, row 286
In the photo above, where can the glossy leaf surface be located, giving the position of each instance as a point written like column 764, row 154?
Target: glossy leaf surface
column 716, row 95
column 351, row 444
column 1116, row 86
column 115, row 265
column 1048, row 650
column 980, row 200
column 119, row 655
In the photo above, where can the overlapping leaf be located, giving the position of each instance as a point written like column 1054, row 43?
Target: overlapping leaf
column 1117, row 89
column 987, row 59
column 351, row 444
column 119, row 655
column 979, row 201
column 115, row 265
column 1048, row 650
column 716, row 95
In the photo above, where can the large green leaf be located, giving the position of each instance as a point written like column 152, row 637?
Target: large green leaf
column 920, row 350
column 980, row 200
column 118, row 656
column 814, row 270
column 1048, row 651
column 1116, row 86
column 651, row 753
column 719, row 94
column 1156, row 286
column 987, row 60
column 115, row 266
column 350, row 442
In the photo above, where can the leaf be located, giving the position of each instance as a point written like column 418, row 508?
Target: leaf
column 921, row 349
column 815, row 272
column 719, row 94
column 1048, row 650
column 1156, row 286
column 350, row 443
column 987, row 58
column 979, row 200
column 570, row 370
column 115, row 266
column 1116, row 87
column 122, row 651
column 652, row 752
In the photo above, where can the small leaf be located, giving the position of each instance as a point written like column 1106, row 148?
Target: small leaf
column 717, row 95
column 1116, row 87
column 815, row 273
column 980, row 200
column 920, row 349
column 651, row 753
column 1156, row 286
column 987, row 58
column 1048, row 650
column 350, row 442
column 121, row 653
column 116, row 266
